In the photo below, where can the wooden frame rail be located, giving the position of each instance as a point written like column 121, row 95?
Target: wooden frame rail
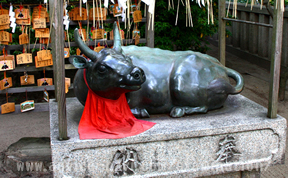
column 248, row 22
column 275, row 51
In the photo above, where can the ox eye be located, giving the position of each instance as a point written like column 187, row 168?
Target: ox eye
column 102, row 69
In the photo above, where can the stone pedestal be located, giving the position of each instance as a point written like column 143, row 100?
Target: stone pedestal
column 229, row 142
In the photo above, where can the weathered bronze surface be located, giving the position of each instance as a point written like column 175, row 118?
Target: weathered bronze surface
column 158, row 81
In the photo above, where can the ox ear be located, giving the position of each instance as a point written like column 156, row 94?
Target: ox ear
column 79, row 62
column 117, row 38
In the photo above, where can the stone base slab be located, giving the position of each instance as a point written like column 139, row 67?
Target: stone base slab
column 237, row 137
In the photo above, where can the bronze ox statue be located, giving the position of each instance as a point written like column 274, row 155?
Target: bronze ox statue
column 155, row 81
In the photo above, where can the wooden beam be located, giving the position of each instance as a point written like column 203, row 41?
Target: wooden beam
column 39, row 107
column 221, row 31
column 31, row 89
column 249, row 22
column 275, row 61
column 57, row 31
column 72, row 44
column 28, row 89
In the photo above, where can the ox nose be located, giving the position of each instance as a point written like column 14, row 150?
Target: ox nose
column 138, row 74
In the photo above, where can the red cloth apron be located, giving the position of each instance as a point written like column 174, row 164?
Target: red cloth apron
column 104, row 118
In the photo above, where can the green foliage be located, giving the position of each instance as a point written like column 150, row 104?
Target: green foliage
column 171, row 37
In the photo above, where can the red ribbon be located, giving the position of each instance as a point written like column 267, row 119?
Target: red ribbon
column 4, row 53
column 39, row 7
column 21, row 7
column 1, row 9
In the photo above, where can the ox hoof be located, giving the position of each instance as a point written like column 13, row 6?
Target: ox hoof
column 177, row 112
column 140, row 113
column 181, row 111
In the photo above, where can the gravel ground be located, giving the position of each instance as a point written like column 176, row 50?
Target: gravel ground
column 36, row 124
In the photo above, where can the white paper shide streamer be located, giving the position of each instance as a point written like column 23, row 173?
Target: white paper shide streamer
column 12, row 18
column 66, row 20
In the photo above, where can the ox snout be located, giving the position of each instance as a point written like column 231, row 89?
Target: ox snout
column 138, row 75
column 133, row 80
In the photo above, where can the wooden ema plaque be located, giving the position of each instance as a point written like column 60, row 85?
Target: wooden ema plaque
column 98, row 16
column 98, row 34
column 4, row 11
column 7, row 108
column 99, row 48
column 137, row 39
column 135, row 33
column 44, row 81
column 43, row 12
column 78, row 52
column 24, row 58
column 4, row 19
column 74, row 14
column 5, row 36
column 43, row 63
column 39, row 23
column 7, row 57
column 22, row 14
column 121, row 33
column 23, row 21
column 6, row 83
column 4, row 27
column 23, row 39
column 27, row 106
column 67, row 84
column 42, row 33
column 137, row 16
column 44, row 55
column 117, row 11
column 66, row 52
column 27, row 80
column 6, row 65
column 44, row 40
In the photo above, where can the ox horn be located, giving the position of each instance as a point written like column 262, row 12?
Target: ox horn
column 117, row 38
column 84, row 48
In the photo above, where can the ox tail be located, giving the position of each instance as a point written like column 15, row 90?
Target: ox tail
column 238, row 78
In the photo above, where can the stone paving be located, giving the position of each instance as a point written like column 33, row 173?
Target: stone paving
column 15, row 126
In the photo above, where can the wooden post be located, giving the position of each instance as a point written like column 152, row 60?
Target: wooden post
column 57, row 31
column 221, row 31
column 149, row 32
column 275, row 61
